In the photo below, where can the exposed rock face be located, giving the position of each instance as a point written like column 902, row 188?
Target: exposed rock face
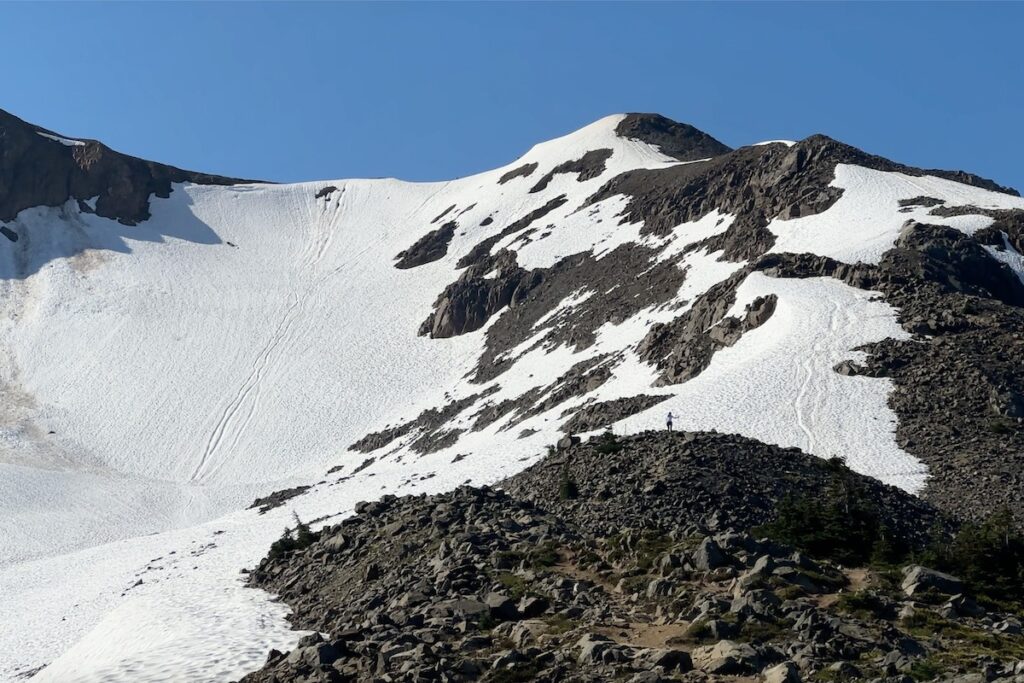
column 38, row 170
column 468, row 303
column 444, row 213
column 277, row 498
column 755, row 184
column 482, row 251
column 605, row 413
column 590, row 165
column 429, row 248
column 429, row 424
column 1007, row 226
column 582, row 378
column 611, row 298
column 954, row 261
column 518, row 172
column 917, row 579
column 674, row 139
column 683, row 348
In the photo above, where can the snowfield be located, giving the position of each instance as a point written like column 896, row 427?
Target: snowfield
column 156, row 379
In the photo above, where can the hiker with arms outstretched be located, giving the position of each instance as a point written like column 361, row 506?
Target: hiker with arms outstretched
column 668, row 422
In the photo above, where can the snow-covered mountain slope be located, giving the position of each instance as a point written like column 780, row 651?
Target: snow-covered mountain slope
column 368, row 337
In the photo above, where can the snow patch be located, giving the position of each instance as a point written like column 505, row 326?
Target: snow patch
column 864, row 222
column 67, row 142
column 787, row 143
column 1010, row 256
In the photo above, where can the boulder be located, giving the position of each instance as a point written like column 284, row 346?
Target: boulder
column 321, row 654
column 1010, row 627
column 531, row 607
column 794, row 576
column 462, row 607
column 507, row 658
column 844, row 671
column 896, row 662
column 669, row 660
column 336, row 544
column 965, row 606
column 567, row 442
column 659, row 588
column 721, row 629
column 726, row 657
column 761, row 602
column 592, row 646
column 787, row 672
column 917, row 579
column 525, row 632
column 501, row 606
column 708, row 556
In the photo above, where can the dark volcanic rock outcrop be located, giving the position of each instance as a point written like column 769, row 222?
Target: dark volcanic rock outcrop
column 428, row 425
column 482, row 290
column 429, row 248
column 518, row 172
column 588, row 166
column 38, row 169
column 674, row 139
column 610, row 298
column 954, row 261
column 604, row 413
column 756, row 185
column 683, row 348
column 482, row 251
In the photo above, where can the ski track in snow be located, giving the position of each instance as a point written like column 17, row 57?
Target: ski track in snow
column 266, row 359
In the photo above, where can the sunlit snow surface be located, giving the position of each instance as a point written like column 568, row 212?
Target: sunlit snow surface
column 156, row 383
column 67, row 142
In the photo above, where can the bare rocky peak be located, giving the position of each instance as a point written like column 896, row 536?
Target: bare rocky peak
column 679, row 140
column 41, row 168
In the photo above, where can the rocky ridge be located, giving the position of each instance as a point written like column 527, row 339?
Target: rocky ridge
column 623, row 560
column 41, row 168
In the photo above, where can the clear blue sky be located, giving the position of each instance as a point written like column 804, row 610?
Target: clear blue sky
column 295, row 91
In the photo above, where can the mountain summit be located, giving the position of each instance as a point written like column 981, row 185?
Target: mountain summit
column 177, row 345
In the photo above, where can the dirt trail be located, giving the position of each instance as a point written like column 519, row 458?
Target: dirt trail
column 636, row 633
column 858, row 578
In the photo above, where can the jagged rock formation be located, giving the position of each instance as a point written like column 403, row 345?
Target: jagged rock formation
column 590, row 165
column 678, row 140
column 755, row 184
column 429, row 248
column 467, row 304
column 595, row 415
column 683, row 348
column 40, row 168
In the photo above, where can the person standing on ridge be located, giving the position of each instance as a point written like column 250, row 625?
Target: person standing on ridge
column 668, row 422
